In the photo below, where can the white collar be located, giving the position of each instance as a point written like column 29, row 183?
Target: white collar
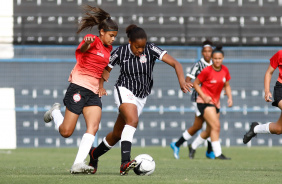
column 130, row 49
column 208, row 64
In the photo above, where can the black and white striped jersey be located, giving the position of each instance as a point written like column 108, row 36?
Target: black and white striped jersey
column 136, row 71
column 194, row 72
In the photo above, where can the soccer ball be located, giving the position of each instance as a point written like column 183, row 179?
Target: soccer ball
column 145, row 165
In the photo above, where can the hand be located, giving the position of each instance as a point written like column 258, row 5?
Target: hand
column 89, row 39
column 207, row 99
column 186, row 86
column 268, row 96
column 102, row 92
column 229, row 102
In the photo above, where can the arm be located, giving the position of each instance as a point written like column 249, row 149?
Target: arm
column 267, row 80
column 179, row 72
column 197, row 87
column 105, row 77
column 88, row 40
column 227, row 89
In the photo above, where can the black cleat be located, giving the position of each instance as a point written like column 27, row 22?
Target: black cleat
column 222, row 157
column 126, row 167
column 250, row 134
column 191, row 152
column 93, row 162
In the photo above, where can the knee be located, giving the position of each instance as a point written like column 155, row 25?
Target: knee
column 216, row 127
column 66, row 133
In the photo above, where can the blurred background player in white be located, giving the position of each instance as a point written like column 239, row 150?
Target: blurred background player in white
column 270, row 127
column 134, row 84
column 212, row 79
column 199, row 120
column 84, row 92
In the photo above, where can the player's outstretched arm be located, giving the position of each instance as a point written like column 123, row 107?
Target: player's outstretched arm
column 185, row 87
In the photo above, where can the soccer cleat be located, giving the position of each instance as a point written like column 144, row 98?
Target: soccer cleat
column 210, row 155
column 48, row 115
column 175, row 150
column 222, row 157
column 93, row 162
column 191, row 152
column 250, row 134
column 126, row 167
column 81, row 168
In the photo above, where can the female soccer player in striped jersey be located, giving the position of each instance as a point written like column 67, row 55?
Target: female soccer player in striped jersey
column 270, row 127
column 84, row 92
column 199, row 120
column 134, row 84
column 212, row 79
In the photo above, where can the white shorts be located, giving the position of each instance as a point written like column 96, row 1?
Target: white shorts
column 197, row 112
column 123, row 95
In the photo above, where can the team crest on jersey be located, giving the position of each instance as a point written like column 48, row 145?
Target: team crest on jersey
column 143, row 58
column 224, row 79
column 76, row 97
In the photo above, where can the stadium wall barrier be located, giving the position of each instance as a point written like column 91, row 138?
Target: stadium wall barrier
column 38, row 75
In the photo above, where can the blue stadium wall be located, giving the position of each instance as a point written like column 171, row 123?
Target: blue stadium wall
column 39, row 74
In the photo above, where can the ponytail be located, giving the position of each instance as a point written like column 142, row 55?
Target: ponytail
column 134, row 32
column 96, row 16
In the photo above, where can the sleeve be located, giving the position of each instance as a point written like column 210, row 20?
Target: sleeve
column 194, row 71
column 276, row 59
column 202, row 76
column 157, row 52
column 114, row 59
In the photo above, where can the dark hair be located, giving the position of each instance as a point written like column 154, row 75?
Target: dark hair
column 134, row 32
column 218, row 49
column 207, row 42
column 96, row 16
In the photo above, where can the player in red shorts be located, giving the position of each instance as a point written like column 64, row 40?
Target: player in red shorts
column 85, row 90
column 212, row 79
column 270, row 127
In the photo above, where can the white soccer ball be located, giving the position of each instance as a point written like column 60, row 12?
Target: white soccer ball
column 145, row 165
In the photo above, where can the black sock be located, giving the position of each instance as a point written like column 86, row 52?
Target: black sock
column 125, row 151
column 209, row 147
column 180, row 141
column 100, row 150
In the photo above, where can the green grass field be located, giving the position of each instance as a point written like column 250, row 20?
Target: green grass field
column 51, row 165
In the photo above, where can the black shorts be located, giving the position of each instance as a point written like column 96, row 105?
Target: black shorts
column 277, row 94
column 78, row 97
column 202, row 106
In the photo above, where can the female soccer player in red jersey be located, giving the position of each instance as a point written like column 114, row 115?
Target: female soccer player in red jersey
column 212, row 79
column 199, row 120
column 270, row 127
column 84, row 92
column 134, row 84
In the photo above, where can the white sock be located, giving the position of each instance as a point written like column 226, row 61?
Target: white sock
column 197, row 142
column 58, row 118
column 216, row 148
column 127, row 133
column 106, row 143
column 186, row 135
column 209, row 139
column 262, row 129
column 84, row 147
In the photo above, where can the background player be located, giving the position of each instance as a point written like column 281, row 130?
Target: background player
column 199, row 120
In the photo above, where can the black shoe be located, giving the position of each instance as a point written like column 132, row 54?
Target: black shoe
column 93, row 162
column 191, row 152
column 250, row 134
column 222, row 157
